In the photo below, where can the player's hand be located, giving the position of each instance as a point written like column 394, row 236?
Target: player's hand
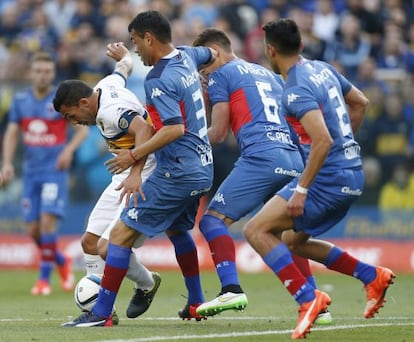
column 120, row 162
column 116, row 51
column 296, row 204
column 130, row 186
column 7, row 173
column 64, row 160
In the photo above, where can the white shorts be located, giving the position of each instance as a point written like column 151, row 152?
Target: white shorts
column 107, row 209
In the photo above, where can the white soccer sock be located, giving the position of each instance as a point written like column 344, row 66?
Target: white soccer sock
column 94, row 264
column 138, row 273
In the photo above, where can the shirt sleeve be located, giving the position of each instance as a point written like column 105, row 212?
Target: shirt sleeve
column 160, row 96
column 297, row 101
column 217, row 88
column 200, row 54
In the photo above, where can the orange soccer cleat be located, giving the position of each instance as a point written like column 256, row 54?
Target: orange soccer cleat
column 67, row 279
column 42, row 287
column 309, row 312
column 376, row 290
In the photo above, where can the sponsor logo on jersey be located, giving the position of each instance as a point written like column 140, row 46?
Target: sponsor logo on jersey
column 352, row 152
column 156, row 92
column 211, row 81
column 219, row 197
column 37, row 134
column 279, row 136
column 190, row 79
column 320, row 78
column 349, row 191
column 133, row 214
column 198, row 192
column 292, row 98
column 292, row 173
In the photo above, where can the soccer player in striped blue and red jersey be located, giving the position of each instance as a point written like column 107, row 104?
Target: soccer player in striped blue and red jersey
column 169, row 198
column 325, row 110
column 48, row 154
column 245, row 98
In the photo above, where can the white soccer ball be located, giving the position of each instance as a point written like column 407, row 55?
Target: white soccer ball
column 87, row 290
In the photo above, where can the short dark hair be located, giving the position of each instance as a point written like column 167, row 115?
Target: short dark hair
column 70, row 92
column 213, row 35
column 154, row 22
column 284, row 35
column 41, row 56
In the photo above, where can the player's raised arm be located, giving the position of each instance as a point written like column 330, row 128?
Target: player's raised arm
column 122, row 56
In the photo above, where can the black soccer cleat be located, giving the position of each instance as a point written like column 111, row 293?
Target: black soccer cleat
column 142, row 299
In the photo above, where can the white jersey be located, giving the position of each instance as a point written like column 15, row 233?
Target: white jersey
column 117, row 106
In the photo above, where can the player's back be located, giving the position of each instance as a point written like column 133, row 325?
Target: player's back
column 174, row 96
column 313, row 85
column 254, row 94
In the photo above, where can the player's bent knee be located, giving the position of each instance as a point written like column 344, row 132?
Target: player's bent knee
column 89, row 243
column 250, row 232
column 210, row 222
column 102, row 248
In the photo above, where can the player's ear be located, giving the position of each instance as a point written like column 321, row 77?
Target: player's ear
column 83, row 102
column 270, row 49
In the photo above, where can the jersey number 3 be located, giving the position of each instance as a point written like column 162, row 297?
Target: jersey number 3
column 340, row 110
column 200, row 113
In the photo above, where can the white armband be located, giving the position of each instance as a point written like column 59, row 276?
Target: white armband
column 301, row 189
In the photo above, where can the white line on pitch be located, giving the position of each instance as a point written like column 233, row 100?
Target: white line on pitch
column 256, row 333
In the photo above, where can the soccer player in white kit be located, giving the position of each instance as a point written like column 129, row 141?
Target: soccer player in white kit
column 121, row 119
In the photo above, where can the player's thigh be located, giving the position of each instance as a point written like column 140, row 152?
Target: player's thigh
column 105, row 212
column 186, row 219
column 166, row 200
column 32, row 187
column 272, row 217
column 54, row 193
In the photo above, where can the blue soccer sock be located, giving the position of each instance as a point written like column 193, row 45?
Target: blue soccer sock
column 187, row 259
column 116, row 266
column 222, row 249
column 279, row 259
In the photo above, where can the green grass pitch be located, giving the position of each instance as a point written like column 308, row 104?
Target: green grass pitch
column 270, row 316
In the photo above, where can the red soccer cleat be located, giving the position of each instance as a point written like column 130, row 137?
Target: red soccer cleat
column 189, row 312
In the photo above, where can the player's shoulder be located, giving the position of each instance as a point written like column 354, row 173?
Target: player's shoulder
column 112, row 80
column 24, row 93
column 157, row 71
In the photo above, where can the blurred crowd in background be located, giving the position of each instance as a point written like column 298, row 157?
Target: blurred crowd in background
column 369, row 41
